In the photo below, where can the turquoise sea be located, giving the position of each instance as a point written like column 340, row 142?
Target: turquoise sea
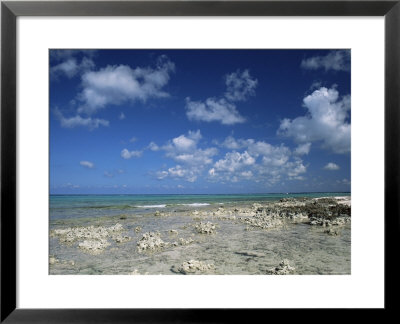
column 76, row 206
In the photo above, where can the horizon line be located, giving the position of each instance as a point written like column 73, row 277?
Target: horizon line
column 154, row 194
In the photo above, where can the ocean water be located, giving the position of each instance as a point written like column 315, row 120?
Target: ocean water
column 84, row 206
column 233, row 249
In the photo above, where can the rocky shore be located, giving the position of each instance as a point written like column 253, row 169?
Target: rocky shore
column 197, row 241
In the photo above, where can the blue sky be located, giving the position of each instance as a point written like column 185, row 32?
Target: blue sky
column 199, row 121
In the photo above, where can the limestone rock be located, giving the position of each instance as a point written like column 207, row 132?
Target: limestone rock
column 331, row 231
column 134, row 272
column 205, row 228
column 94, row 246
column 182, row 241
column 283, row 268
column 122, row 239
column 116, row 228
column 91, row 239
column 262, row 222
column 193, row 266
column 53, row 260
column 151, row 241
column 158, row 213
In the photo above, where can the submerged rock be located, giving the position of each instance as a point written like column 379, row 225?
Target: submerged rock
column 94, row 246
column 182, row 241
column 91, row 239
column 256, row 206
column 220, row 212
column 122, row 239
column 283, row 268
column 298, row 216
column 326, row 222
column 151, row 241
column 70, row 235
column 205, row 228
column 138, row 229
column 160, row 214
column 262, row 222
column 193, row 266
column 53, row 260
column 116, row 228
column 331, row 231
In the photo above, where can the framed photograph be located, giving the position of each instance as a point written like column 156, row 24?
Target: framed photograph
column 170, row 155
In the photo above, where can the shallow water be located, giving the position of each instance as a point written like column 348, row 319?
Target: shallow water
column 81, row 206
column 233, row 249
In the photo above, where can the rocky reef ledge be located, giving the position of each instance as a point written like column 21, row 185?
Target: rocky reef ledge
column 194, row 267
column 324, row 212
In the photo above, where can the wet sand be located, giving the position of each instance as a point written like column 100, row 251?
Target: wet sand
column 291, row 236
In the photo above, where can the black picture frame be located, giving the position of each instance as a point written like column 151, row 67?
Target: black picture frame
column 11, row 10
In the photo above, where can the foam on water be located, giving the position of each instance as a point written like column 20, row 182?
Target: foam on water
column 152, row 206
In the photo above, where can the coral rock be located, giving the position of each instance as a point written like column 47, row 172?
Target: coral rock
column 150, row 242
column 205, row 228
column 193, row 266
column 284, row 268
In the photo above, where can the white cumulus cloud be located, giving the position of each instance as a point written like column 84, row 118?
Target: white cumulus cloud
column 111, row 85
column 219, row 110
column 65, row 54
column 187, row 143
column 240, row 85
column 153, row 147
column 184, row 150
column 256, row 160
column 126, row 154
column 234, row 144
column 234, row 161
column 303, row 149
column 331, row 166
column 71, row 67
column 334, row 60
column 327, row 121
column 179, row 172
column 87, row 164
column 295, row 169
column 344, row 181
column 119, row 84
column 79, row 121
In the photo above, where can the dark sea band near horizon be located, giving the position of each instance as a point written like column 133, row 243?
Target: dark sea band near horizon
column 95, row 205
